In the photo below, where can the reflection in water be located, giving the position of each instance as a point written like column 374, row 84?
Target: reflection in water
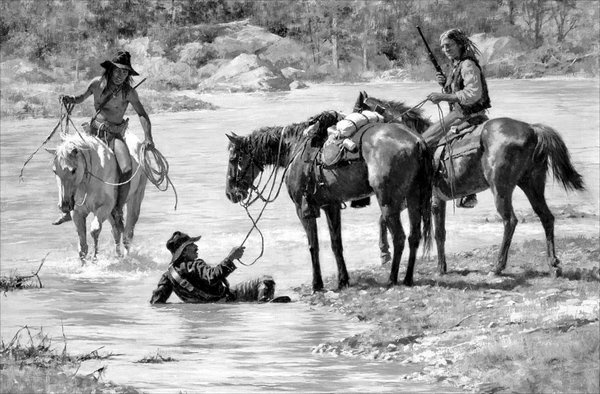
column 236, row 347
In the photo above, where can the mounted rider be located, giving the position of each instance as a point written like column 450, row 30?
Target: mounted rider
column 466, row 92
column 113, row 93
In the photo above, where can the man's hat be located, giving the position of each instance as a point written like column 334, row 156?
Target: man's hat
column 122, row 60
column 178, row 242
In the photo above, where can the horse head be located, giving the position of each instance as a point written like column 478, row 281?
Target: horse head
column 243, row 168
column 69, row 167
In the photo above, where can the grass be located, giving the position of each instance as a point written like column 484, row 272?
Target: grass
column 15, row 281
column 522, row 332
column 156, row 359
column 30, row 364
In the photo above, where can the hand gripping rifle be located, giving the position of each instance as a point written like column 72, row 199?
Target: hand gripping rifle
column 432, row 58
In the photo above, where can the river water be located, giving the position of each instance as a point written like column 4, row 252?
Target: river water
column 236, row 347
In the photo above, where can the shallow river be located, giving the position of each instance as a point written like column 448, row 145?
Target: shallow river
column 245, row 348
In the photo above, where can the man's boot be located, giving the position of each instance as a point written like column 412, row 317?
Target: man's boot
column 468, row 201
column 65, row 217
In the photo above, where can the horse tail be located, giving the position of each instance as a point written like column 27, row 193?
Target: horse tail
column 551, row 146
column 425, row 184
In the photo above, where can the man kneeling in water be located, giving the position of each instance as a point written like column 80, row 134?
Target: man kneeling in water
column 194, row 281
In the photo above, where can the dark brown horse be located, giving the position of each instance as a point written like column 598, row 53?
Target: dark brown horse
column 396, row 168
column 511, row 153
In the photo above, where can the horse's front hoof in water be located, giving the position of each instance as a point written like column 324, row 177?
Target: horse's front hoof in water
column 386, row 258
column 556, row 272
column 317, row 291
column 407, row 282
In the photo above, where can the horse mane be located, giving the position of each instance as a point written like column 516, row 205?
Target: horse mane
column 76, row 141
column 412, row 117
column 264, row 142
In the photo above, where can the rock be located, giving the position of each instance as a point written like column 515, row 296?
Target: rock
column 242, row 38
column 246, row 73
column 287, row 52
column 496, row 49
column 292, row 73
column 298, row 85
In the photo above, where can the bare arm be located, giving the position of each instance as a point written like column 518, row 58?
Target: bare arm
column 144, row 118
column 81, row 98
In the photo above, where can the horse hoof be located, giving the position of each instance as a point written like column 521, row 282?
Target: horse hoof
column 556, row 272
column 320, row 290
column 407, row 283
column 386, row 259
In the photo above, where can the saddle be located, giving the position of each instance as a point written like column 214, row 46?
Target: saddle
column 462, row 140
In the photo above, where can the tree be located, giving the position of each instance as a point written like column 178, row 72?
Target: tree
column 565, row 15
column 535, row 14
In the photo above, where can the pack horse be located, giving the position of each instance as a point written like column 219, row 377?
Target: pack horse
column 395, row 168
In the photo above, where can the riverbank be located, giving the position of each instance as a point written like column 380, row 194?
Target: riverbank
column 520, row 332
column 30, row 363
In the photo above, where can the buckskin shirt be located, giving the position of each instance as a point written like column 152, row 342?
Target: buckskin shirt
column 468, row 84
column 194, row 282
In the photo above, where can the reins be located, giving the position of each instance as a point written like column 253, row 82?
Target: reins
column 266, row 200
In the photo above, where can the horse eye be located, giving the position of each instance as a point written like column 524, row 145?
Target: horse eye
column 73, row 171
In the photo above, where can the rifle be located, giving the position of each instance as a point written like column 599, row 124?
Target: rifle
column 431, row 55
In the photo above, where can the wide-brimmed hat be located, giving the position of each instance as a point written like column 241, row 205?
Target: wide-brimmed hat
column 178, row 242
column 122, row 60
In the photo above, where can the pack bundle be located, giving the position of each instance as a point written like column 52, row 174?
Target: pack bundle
column 346, row 127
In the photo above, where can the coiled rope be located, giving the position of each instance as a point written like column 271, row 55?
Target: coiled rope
column 156, row 168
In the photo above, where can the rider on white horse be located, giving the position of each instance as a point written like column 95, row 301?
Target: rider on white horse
column 112, row 95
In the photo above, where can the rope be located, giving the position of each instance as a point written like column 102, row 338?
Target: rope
column 451, row 163
column 63, row 115
column 269, row 199
column 156, row 168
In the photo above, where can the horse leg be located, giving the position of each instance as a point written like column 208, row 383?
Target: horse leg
column 391, row 215
column 79, row 221
column 384, row 246
column 414, row 238
column 95, row 228
column 439, row 219
column 116, row 235
column 534, row 190
column 503, row 200
column 310, row 227
column 133, row 214
column 334, row 220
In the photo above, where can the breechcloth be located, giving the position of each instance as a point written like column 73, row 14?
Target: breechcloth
column 108, row 131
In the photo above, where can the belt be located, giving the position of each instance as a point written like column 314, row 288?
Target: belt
column 109, row 127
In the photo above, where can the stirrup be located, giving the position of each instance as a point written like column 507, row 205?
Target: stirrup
column 66, row 217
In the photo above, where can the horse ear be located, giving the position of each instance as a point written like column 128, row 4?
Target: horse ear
column 365, row 95
column 51, row 151
column 233, row 138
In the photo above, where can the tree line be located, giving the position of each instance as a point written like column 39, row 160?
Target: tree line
column 51, row 31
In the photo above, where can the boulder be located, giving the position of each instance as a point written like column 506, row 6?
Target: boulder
column 298, row 85
column 287, row 53
column 241, row 37
column 246, row 73
column 496, row 49
column 292, row 73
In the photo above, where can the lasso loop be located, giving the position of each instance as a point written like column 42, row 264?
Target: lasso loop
column 156, row 168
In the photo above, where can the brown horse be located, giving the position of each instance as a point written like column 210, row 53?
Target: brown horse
column 511, row 153
column 396, row 167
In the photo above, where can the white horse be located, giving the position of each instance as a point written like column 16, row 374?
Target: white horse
column 86, row 174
